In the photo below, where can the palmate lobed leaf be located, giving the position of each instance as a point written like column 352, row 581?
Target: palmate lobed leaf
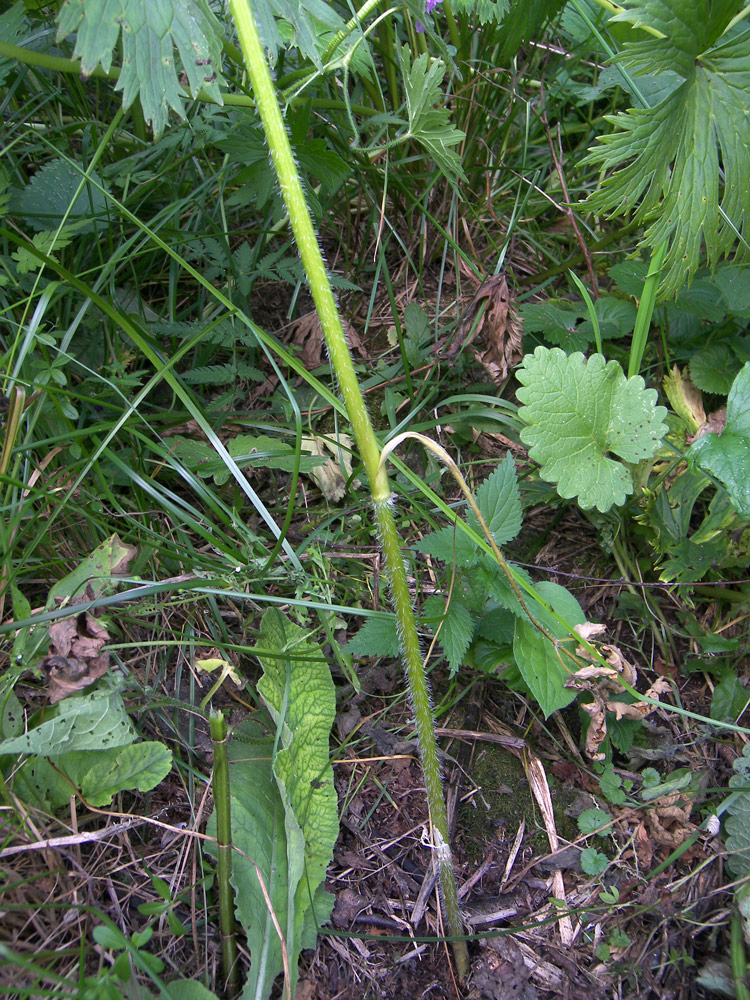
column 665, row 161
column 151, row 30
column 578, row 415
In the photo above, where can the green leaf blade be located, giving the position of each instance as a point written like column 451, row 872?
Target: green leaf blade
column 578, row 415
column 727, row 455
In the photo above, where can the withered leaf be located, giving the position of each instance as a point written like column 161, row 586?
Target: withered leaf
column 75, row 657
column 500, row 329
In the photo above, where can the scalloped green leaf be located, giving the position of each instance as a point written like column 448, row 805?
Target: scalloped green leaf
column 727, row 455
column 581, row 417
column 150, row 34
column 715, row 368
column 664, row 162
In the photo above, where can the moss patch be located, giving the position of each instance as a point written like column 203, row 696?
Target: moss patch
column 503, row 799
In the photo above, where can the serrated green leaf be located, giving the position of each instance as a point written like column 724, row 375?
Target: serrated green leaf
column 85, row 722
column 715, row 368
column 377, row 637
column 428, row 124
column 457, row 631
column 50, row 196
column 150, row 34
column 284, row 806
column 543, row 667
column 664, row 161
column 557, row 321
column 727, row 456
column 580, row 413
column 499, row 502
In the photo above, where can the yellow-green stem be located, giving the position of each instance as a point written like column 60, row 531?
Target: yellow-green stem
column 338, row 350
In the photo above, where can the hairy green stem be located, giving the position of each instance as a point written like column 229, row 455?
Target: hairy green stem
column 338, row 350
column 218, row 728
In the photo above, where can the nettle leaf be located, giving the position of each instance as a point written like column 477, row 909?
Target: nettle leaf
column 499, row 501
column 150, row 33
column 429, row 125
column 666, row 161
column 50, row 196
column 458, row 627
column 543, row 666
column 727, row 455
column 579, row 414
column 284, row 804
column 377, row 637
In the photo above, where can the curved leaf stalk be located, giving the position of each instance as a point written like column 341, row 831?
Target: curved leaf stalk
column 230, row 966
column 338, row 350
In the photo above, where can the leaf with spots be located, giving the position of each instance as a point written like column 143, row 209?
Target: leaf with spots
column 584, row 421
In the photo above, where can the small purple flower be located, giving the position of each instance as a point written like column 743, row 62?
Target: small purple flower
column 429, row 7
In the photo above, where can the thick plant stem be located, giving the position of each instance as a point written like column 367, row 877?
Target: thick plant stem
column 338, row 350
column 218, row 728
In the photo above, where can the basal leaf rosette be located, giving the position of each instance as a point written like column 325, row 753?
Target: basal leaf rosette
column 584, row 420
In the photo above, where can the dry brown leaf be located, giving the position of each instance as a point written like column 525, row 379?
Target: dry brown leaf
column 75, row 657
column 307, row 333
column 540, row 787
column 715, row 424
column 330, row 477
column 588, row 630
column 499, row 327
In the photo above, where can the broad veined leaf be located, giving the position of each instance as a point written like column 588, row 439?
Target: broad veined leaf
column 544, row 665
column 100, row 774
column 579, row 414
column 727, row 455
column 90, row 722
column 150, row 33
column 284, row 807
column 499, row 502
column 430, row 125
column 679, row 167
